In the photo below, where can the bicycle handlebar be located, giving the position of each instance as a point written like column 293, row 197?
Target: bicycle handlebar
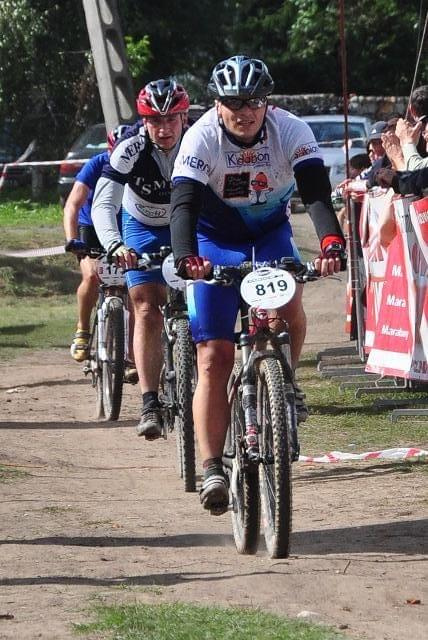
column 226, row 274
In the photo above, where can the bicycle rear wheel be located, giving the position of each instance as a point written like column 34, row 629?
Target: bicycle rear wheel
column 114, row 364
column 184, row 374
column 275, row 468
column 243, row 479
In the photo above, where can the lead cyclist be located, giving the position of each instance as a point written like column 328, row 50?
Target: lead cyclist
column 235, row 173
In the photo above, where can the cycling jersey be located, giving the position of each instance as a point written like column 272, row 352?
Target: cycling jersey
column 248, row 189
column 231, row 200
column 89, row 175
column 138, row 177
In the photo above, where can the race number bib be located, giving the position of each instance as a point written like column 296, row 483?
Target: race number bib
column 110, row 274
column 170, row 277
column 268, row 288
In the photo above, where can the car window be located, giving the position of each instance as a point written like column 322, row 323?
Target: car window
column 332, row 134
column 93, row 138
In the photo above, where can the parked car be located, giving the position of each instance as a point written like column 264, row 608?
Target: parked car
column 11, row 152
column 88, row 144
column 329, row 131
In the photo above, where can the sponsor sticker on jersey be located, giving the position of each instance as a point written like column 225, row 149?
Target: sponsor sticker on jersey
column 151, row 212
column 305, row 150
column 130, row 150
column 236, row 185
column 248, row 158
column 195, row 163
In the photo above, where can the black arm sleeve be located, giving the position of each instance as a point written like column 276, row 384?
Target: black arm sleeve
column 411, row 182
column 186, row 201
column 315, row 190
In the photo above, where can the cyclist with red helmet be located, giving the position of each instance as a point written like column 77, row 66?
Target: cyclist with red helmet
column 239, row 146
column 138, row 177
column 80, row 235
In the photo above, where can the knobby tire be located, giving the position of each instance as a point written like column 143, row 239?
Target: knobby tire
column 244, row 482
column 275, row 469
column 114, row 367
column 184, row 376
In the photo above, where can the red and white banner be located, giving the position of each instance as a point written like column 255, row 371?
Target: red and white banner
column 374, row 257
column 400, row 346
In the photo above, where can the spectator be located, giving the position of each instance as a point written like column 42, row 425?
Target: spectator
column 405, row 182
column 410, row 134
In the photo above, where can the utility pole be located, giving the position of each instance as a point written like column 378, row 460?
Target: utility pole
column 111, row 67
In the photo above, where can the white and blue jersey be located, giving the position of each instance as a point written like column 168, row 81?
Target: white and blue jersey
column 248, row 189
column 244, row 207
column 138, row 177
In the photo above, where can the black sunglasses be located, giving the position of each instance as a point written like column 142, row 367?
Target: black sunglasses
column 234, row 104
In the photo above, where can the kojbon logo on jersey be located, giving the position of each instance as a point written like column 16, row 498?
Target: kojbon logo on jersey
column 248, row 158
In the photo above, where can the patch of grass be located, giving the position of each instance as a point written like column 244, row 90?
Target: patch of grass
column 42, row 277
column 339, row 421
column 36, row 323
column 419, row 465
column 189, row 622
column 8, row 474
column 18, row 209
column 56, row 509
column 97, row 523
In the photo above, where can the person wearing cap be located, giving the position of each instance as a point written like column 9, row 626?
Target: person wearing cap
column 138, row 177
column 239, row 146
column 376, row 151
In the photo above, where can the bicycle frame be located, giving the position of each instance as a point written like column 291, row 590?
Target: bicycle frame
column 106, row 295
column 257, row 341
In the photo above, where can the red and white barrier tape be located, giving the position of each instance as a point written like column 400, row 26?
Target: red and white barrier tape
column 48, row 163
column 385, row 454
column 33, row 253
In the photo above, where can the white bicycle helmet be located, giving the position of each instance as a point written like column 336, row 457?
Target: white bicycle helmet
column 241, row 77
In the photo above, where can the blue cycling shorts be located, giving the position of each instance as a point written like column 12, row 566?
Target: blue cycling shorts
column 142, row 238
column 213, row 310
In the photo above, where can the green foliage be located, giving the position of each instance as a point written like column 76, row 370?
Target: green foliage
column 138, row 54
column 178, row 621
column 52, row 94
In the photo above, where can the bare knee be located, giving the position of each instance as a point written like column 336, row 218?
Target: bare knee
column 215, row 359
column 147, row 314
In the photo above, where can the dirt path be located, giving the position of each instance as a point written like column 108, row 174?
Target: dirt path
column 102, row 514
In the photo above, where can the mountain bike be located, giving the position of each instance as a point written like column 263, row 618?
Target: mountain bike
column 108, row 344
column 178, row 374
column 262, row 440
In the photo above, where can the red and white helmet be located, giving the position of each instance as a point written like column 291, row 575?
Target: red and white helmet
column 115, row 134
column 162, row 97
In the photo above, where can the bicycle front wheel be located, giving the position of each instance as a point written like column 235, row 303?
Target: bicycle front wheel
column 244, row 481
column 114, row 362
column 275, row 468
column 184, row 374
